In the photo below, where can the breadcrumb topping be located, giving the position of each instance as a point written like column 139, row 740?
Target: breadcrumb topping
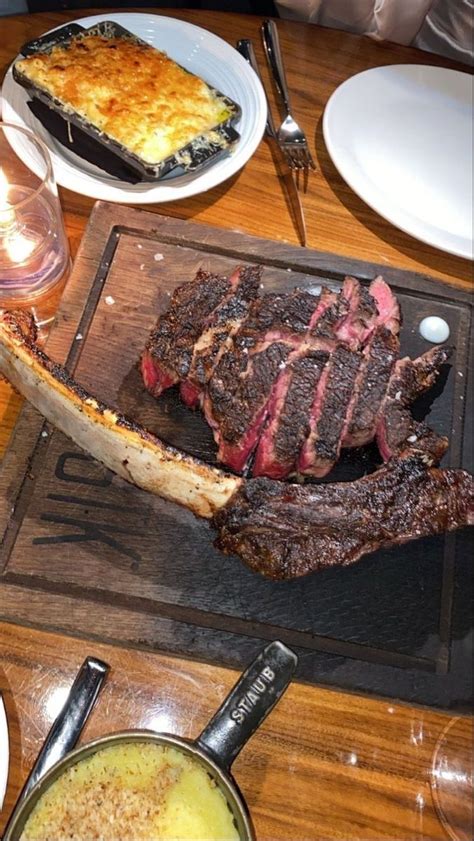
column 133, row 791
column 131, row 92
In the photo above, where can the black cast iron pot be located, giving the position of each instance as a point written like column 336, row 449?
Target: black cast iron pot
column 244, row 709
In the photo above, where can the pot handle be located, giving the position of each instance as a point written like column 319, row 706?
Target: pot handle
column 248, row 704
column 70, row 722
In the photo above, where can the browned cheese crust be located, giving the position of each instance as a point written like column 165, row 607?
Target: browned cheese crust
column 130, row 91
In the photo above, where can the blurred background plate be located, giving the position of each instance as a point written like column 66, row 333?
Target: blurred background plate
column 197, row 50
column 4, row 752
column 401, row 137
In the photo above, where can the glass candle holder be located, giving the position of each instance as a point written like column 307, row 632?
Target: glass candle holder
column 34, row 252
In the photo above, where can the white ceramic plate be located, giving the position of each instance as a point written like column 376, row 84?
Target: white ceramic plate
column 401, row 136
column 199, row 51
column 4, row 752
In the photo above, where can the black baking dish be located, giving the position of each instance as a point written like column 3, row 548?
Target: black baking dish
column 80, row 136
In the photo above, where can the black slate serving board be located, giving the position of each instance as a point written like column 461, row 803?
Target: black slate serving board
column 84, row 552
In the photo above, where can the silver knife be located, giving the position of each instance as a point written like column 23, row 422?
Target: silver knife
column 284, row 172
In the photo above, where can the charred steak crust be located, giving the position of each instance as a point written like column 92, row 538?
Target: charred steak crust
column 248, row 397
column 240, row 390
column 171, row 343
column 280, row 314
column 240, row 427
column 367, row 305
column 343, row 369
column 284, row 530
column 240, row 356
column 410, row 378
column 289, row 423
column 330, row 318
column 375, row 374
column 293, row 426
column 224, row 321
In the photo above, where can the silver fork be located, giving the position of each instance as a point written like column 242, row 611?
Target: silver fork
column 290, row 136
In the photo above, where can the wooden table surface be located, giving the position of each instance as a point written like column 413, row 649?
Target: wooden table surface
column 325, row 764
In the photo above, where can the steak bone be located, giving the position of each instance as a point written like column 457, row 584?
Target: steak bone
column 122, row 445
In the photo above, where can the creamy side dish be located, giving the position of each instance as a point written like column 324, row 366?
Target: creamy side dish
column 134, row 790
column 131, row 92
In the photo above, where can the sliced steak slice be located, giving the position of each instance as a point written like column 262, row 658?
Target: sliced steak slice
column 169, row 352
column 290, row 403
column 360, row 320
column 289, row 413
column 239, row 408
column 241, row 387
column 157, row 377
column 410, row 378
column 344, row 317
column 332, row 312
column 191, row 394
column 348, row 315
column 387, row 305
column 322, row 446
column 325, row 300
column 284, row 530
column 276, row 315
column 225, row 320
column 379, row 357
column 334, row 397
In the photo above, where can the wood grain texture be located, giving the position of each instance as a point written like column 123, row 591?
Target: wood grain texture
column 317, row 60
column 323, row 766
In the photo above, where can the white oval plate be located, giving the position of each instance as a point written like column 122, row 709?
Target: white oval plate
column 4, row 753
column 199, row 51
column 401, row 137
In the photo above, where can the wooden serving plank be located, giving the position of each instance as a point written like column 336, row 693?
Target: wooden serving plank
column 84, row 552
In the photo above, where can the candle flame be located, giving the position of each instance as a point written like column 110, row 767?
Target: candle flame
column 17, row 246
